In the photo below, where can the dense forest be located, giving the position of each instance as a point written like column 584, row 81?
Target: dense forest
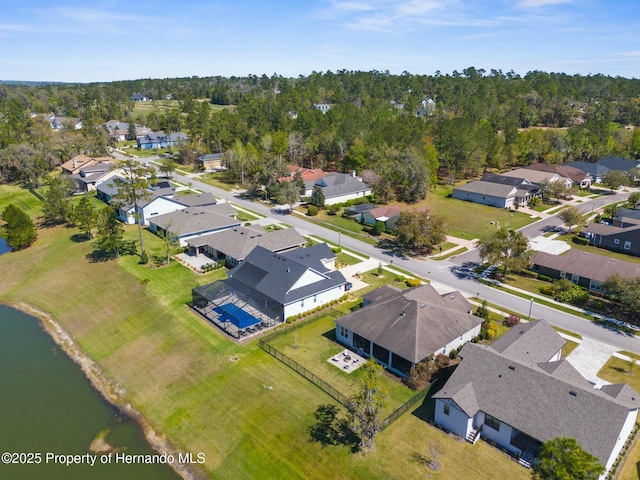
column 402, row 132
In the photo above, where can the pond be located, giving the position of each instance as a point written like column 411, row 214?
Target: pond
column 48, row 407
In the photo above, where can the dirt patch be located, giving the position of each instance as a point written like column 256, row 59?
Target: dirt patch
column 114, row 393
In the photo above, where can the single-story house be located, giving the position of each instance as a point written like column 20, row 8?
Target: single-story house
column 518, row 393
column 308, row 175
column 139, row 97
column 162, row 202
column 58, row 123
column 119, row 131
column 586, row 269
column 211, row 162
column 77, row 163
column 594, row 169
column 88, row 179
column 538, row 176
column 623, row 239
column 387, row 214
column 618, row 163
column 274, row 286
column 487, row 193
column 402, row 328
column 191, row 222
column 156, row 140
column 625, row 217
column 339, row 187
column 578, row 177
column 234, row 245
column 126, row 213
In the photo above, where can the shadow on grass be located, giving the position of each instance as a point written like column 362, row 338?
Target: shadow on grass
column 80, row 238
column 98, row 256
column 426, row 410
column 328, row 429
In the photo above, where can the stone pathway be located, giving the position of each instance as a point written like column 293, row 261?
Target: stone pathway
column 589, row 357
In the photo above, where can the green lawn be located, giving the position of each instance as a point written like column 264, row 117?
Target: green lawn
column 340, row 224
column 313, row 345
column 457, row 251
column 21, row 198
column 215, row 180
column 470, row 220
column 203, row 391
column 598, row 251
column 346, row 259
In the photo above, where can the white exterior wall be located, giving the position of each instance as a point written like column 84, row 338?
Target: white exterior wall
column 457, row 421
column 622, row 438
column 126, row 217
column 344, row 198
column 313, row 301
column 159, row 206
column 483, row 199
column 459, row 341
column 501, row 437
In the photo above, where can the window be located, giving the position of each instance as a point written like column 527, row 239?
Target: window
column 616, row 241
column 575, row 278
column 563, row 274
column 344, row 332
column 447, row 408
column 492, row 422
column 627, row 245
column 594, row 285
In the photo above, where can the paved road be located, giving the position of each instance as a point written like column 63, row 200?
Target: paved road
column 452, row 274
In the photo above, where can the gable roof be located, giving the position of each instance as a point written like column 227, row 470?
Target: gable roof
column 338, row 184
column 197, row 200
column 627, row 215
column 307, row 174
column 535, row 176
column 587, row 265
column 193, row 220
column 531, row 342
column 413, row 324
column 83, row 161
column 618, row 163
column 488, row 188
column 543, row 403
column 385, row 212
column 283, row 278
column 568, row 171
column 239, row 242
column 594, row 169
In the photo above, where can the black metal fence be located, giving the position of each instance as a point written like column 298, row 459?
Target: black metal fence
column 317, row 381
column 412, row 402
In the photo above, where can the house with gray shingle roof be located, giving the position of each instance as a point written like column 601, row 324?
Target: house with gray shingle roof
column 402, row 328
column 295, row 282
column 589, row 270
column 339, row 187
column 234, row 245
column 510, row 394
column 191, row 222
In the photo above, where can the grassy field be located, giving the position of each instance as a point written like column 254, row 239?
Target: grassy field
column 202, row 390
column 314, row 344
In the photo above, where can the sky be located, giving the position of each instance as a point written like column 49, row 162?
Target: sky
column 106, row 40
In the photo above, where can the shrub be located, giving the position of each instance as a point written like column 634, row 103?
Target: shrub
column 312, row 210
column 144, row 258
column 336, row 249
column 491, row 333
column 145, row 281
column 333, row 209
column 247, row 224
column 453, row 354
column 378, row 228
column 580, row 240
column 548, row 290
column 413, row 282
column 545, row 278
column 483, row 311
column 512, row 320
